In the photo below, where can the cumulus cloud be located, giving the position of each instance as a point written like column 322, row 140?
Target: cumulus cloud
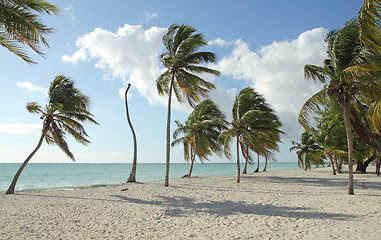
column 18, row 128
column 276, row 71
column 131, row 54
column 30, row 87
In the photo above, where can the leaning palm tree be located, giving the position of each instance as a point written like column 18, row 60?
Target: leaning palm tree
column 346, row 73
column 66, row 108
column 253, row 123
column 200, row 133
column 20, row 24
column 132, row 177
column 183, row 63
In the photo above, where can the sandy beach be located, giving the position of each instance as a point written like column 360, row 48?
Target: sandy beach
column 272, row 205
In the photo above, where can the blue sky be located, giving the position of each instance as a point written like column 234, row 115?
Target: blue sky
column 103, row 45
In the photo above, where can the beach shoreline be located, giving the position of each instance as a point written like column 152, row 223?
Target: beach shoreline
column 268, row 205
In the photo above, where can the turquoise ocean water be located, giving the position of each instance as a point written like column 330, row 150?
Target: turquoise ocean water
column 55, row 176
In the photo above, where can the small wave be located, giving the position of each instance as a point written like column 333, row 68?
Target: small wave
column 63, row 188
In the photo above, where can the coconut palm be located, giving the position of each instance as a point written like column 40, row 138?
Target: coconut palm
column 20, row 24
column 200, row 133
column 253, row 123
column 346, row 74
column 183, row 63
column 66, row 108
column 132, row 177
column 307, row 150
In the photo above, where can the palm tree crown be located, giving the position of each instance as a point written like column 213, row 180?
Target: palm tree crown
column 182, row 61
column 20, row 24
column 66, row 108
column 308, row 151
column 200, row 132
column 254, row 125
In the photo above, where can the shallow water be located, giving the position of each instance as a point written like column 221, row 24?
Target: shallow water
column 54, row 176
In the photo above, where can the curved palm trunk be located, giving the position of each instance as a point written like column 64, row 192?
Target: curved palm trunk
column 244, row 171
column 168, row 147
column 305, row 162
column 11, row 189
column 348, row 131
column 257, row 169
column 132, row 177
column 332, row 163
column 238, row 163
column 191, row 169
column 265, row 167
column 338, row 169
column 192, row 162
column 246, row 160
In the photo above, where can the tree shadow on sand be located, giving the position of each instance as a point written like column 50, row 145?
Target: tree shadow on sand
column 183, row 206
column 317, row 181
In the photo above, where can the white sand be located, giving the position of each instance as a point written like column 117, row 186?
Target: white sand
column 272, row 205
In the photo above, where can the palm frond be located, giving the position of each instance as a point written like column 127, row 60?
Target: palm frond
column 21, row 25
column 312, row 105
column 162, row 83
column 33, row 107
column 59, row 139
column 316, row 73
column 369, row 18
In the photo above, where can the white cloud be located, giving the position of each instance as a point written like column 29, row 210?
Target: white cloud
column 70, row 10
column 219, row 42
column 150, row 16
column 80, row 55
column 30, row 87
column 276, row 71
column 19, row 128
column 131, row 54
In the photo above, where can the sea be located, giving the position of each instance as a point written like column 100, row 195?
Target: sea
column 69, row 176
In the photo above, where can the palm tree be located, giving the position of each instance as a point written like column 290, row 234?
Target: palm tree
column 253, row 123
column 307, row 151
column 20, row 24
column 66, row 108
column 183, row 63
column 201, row 131
column 132, row 177
column 347, row 73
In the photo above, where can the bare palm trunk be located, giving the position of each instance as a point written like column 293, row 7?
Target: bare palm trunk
column 168, row 147
column 191, row 168
column 338, row 169
column 265, row 167
column 350, row 146
column 305, row 164
column 132, row 177
column 11, row 189
column 244, row 171
column 192, row 162
column 333, row 165
column 238, row 163
column 257, row 169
